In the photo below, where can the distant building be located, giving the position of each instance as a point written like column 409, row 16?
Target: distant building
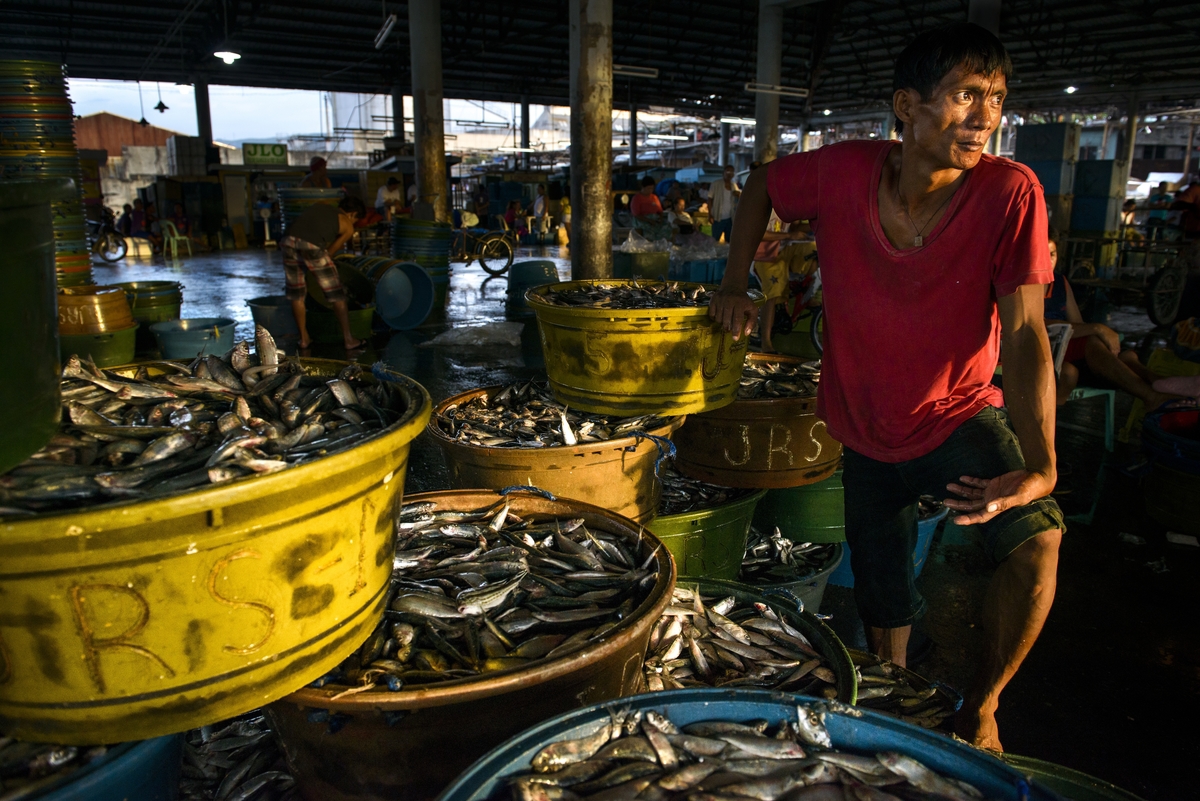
column 112, row 132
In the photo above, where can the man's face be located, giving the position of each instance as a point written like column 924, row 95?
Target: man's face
column 1053, row 255
column 728, row 173
column 953, row 125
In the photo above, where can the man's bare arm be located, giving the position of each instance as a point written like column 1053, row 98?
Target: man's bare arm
column 731, row 306
column 1029, row 395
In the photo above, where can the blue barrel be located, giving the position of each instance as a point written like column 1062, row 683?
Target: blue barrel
column 522, row 276
column 199, row 336
column 274, row 313
column 146, row 771
column 844, row 576
column 850, row 728
column 403, row 292
column 426, row 243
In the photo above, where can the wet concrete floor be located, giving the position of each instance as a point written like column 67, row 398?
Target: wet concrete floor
column 1112, row 688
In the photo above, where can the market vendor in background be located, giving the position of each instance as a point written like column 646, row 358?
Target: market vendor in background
column 932, row 253
column 722, row 203
column 309, row 245
column 318, row 176
column 388, row 200
column 648, row 217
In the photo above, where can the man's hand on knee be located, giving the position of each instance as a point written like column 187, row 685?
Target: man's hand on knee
column 981, row 499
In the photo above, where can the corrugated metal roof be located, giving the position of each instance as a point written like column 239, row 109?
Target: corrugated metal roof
column 703, row 49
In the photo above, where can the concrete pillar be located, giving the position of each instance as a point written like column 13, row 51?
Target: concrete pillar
column 591, row 138
column 524, row 131
column 633, row 135
column 425, row 44
column 770, row 65
column 398, row 111
column 723, row 146
column 1131, row 127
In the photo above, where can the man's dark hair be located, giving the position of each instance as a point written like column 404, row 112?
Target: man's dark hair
column 393, row 181
column 648, row 181
column 933, row 54
column 352, row 205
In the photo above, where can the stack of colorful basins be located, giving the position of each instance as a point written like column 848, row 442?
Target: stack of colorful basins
column 37, row 140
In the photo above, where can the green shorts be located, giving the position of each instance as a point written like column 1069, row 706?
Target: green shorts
column 881, row 513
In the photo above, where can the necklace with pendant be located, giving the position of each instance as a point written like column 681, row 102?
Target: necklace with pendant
column 919, row 239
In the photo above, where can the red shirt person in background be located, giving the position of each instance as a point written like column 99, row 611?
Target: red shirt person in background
column 932, row 253
column 645, row 202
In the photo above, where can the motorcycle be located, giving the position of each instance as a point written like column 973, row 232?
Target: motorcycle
column 107, row 242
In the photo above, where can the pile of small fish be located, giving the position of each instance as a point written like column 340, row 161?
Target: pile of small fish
column 527, row 416
column 216, row 419
column 776, row 559
column 681, row 494
column 648, row 757
column 888, row 688
column 28, row 768
column 632, row 295
column 722, row 642
column 762, row 379
column 235, row 761
column 476, row 592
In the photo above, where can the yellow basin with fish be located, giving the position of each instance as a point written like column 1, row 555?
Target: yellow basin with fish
column 637, row 361
column 127, row 621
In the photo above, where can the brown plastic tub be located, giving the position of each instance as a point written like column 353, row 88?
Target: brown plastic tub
column 411, row 744
column 765, row 443
column 617, row 474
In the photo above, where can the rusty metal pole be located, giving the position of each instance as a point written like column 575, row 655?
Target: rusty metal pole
column 770, row 66
column 591, row 138
column 429, row 135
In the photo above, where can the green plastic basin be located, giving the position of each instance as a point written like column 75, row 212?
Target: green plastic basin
column 709, row 543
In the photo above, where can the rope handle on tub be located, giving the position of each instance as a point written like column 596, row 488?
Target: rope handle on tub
column 527, row 488
column 666, row 448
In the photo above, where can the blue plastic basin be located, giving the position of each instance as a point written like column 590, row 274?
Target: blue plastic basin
column 199, row 336
column 140, row 771
column 844, row 576
column 850, row 728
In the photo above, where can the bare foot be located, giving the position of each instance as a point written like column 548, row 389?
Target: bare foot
column 978, row 728
column 355, row 344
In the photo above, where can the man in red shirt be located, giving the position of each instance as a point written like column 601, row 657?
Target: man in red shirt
column 645, row 202
column 932, row 254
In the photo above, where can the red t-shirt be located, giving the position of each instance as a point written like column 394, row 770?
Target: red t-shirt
column 642, row 205
column 912, row 336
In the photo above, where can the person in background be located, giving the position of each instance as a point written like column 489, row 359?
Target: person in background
column 679, row 218
column 645, row 202
column 564, row 208
column 1129, row 220
column 180, row 221
column 773, row 272
column 388, row 200
column 722, row 203
column 411, row 194
column 125, row 221
column 1159, row 204
column 309, row 244
column 483, row 204
column 540, row 210
column 150, row 228
column 318, row 175
column 1095, row 348
column 1188, row 201
column 512, row 217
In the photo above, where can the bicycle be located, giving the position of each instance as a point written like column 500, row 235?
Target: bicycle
column 494, row 250
column 107, row 243
column 797, row 306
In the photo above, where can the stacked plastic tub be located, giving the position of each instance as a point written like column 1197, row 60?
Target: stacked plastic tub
column 427, row 244
column 37, row 140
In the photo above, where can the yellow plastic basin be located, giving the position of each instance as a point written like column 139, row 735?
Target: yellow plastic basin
column 637, row 361
column 133, row 620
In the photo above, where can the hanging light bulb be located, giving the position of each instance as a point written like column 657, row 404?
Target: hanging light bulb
column 161, row 107
column 142, row 105
column 228, row 56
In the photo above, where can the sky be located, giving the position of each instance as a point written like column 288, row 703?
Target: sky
column 240, row 113
column 237, row 112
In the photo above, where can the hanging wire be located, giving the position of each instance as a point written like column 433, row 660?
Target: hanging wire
column 142, row 105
